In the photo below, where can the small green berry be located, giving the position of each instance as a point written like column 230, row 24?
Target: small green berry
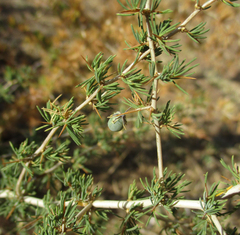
column 116, row 123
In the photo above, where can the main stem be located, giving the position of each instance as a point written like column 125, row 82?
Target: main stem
column 110, row 204
column 155, row 91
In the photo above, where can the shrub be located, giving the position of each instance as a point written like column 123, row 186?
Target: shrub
column 47, row 191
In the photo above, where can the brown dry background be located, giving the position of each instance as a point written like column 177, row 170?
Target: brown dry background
column 51, row 37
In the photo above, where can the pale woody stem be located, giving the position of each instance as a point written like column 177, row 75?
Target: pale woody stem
column 110, row 204
column 88, row 100
column 154, row 94
column 38, row 151
column 196, row 11
column 45, row 143
column 135, row 110
column 131, row 66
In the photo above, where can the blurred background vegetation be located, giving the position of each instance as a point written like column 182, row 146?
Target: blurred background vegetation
column 41, row 44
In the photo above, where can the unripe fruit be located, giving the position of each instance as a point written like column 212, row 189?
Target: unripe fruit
column 116, row 123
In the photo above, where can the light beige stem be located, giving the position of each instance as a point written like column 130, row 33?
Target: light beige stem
column 154, row 94
column 45, row 143
column 196, row 11
column 37, row 152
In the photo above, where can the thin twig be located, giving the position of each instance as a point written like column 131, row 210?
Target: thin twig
column 131, row 66
column 36, row 153
column 52, row 168
column 115, row 165
column 196, row 11
column 134, row 111
column 46, row 141
column 88, row 100
column 84, row 210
